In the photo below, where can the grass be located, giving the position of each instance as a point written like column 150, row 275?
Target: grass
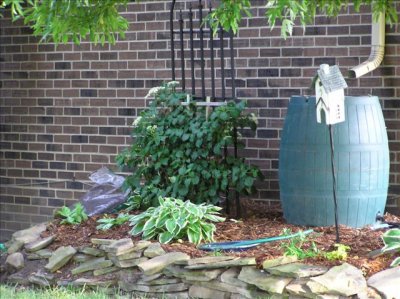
column 19, row 292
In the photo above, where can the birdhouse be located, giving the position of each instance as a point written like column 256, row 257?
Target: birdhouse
column 329, row 88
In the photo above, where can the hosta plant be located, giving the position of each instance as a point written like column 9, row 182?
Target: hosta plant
column 108, row 222
column 72, row 216
column 391, row 238
column 175, row 219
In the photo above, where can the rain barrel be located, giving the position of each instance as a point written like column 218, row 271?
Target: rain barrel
column 361, row 160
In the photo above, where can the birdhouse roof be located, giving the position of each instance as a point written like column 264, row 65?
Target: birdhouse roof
column 332, row 80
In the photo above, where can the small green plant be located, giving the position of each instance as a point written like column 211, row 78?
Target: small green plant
column 340, row 253
column 74, row 216
column 391, row 238
column 174, row 219
column 299, row 246
column 108, row 222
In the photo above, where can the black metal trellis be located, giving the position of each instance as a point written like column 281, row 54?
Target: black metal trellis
column 204, row 34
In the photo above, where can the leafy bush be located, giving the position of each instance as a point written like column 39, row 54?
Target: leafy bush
column 74, row 216
column 109, row 222
column 179, row 152
column 174, row 219
column 391, row 238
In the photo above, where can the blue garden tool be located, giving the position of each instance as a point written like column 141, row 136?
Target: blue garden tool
column 246, row 244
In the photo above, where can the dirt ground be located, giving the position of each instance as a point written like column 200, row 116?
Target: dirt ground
column 261, row 221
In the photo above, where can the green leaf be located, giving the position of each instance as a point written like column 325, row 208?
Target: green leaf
column 194, row 234
column 137, row 229
column 170, row 224
column 165, row 237
column 391, row 236
column 391, row 246
column 396, row 262
column 150, row 224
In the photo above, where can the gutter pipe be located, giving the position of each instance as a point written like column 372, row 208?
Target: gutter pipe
column 377, row 50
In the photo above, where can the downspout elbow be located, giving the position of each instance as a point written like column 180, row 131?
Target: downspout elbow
column 377, row 50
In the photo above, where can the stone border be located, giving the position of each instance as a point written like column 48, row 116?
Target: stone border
column 145, row 268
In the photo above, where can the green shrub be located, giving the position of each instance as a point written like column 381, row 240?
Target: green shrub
column 74, row 216
column 391, row 238
column 174, row 219
column 107, row 222
column 179, row 152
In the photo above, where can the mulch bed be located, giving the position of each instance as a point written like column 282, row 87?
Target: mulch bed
column 261, row 221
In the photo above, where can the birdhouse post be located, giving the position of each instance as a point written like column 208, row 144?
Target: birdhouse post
column 329, row 88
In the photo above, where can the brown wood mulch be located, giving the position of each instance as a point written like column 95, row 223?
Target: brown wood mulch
column 261, row 221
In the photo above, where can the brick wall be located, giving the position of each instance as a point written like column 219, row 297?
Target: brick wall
column 66, row 110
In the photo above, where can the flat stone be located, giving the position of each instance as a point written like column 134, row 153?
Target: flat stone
column 206, row 260
column 230, row 276
column 14, row 246
column 103, row 271
column 299, row 288
column 60, row 257
column 15, row 261
column 264, row 281
column 129, row 276
column 328, row 296
column 263, row 295
column 206, row 293
column 283, row 260
column 154, row 250
column 148, row 278
column 82, row 258
column 297, row 270
column 102, row 241
column 174, row 287
column 94, row 264
column 126, row 256
column 64, row 282
column 237, row 261
column 40, row 254
column 94, row 282
column 119, row 247
column 247, row 292
column 92, row 251
column 170, row 295
column 386, row 282
column 128, row 263
column 316, row 288
column 142, row 244
column 41, row 279
column 18, row 278
column 39, row 244
column 192, row 275
column 159, row 263
column 345, row 280
column 159, row 281
column 30, row 234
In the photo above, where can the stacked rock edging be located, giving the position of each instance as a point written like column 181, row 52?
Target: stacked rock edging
column 144, row 268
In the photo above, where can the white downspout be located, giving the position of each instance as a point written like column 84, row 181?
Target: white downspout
column 377, row 50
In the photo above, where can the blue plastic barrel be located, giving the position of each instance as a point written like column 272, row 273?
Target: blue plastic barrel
column 361, row 161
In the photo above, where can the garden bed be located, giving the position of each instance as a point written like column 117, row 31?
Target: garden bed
column 83, row 256
column 260, row 221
